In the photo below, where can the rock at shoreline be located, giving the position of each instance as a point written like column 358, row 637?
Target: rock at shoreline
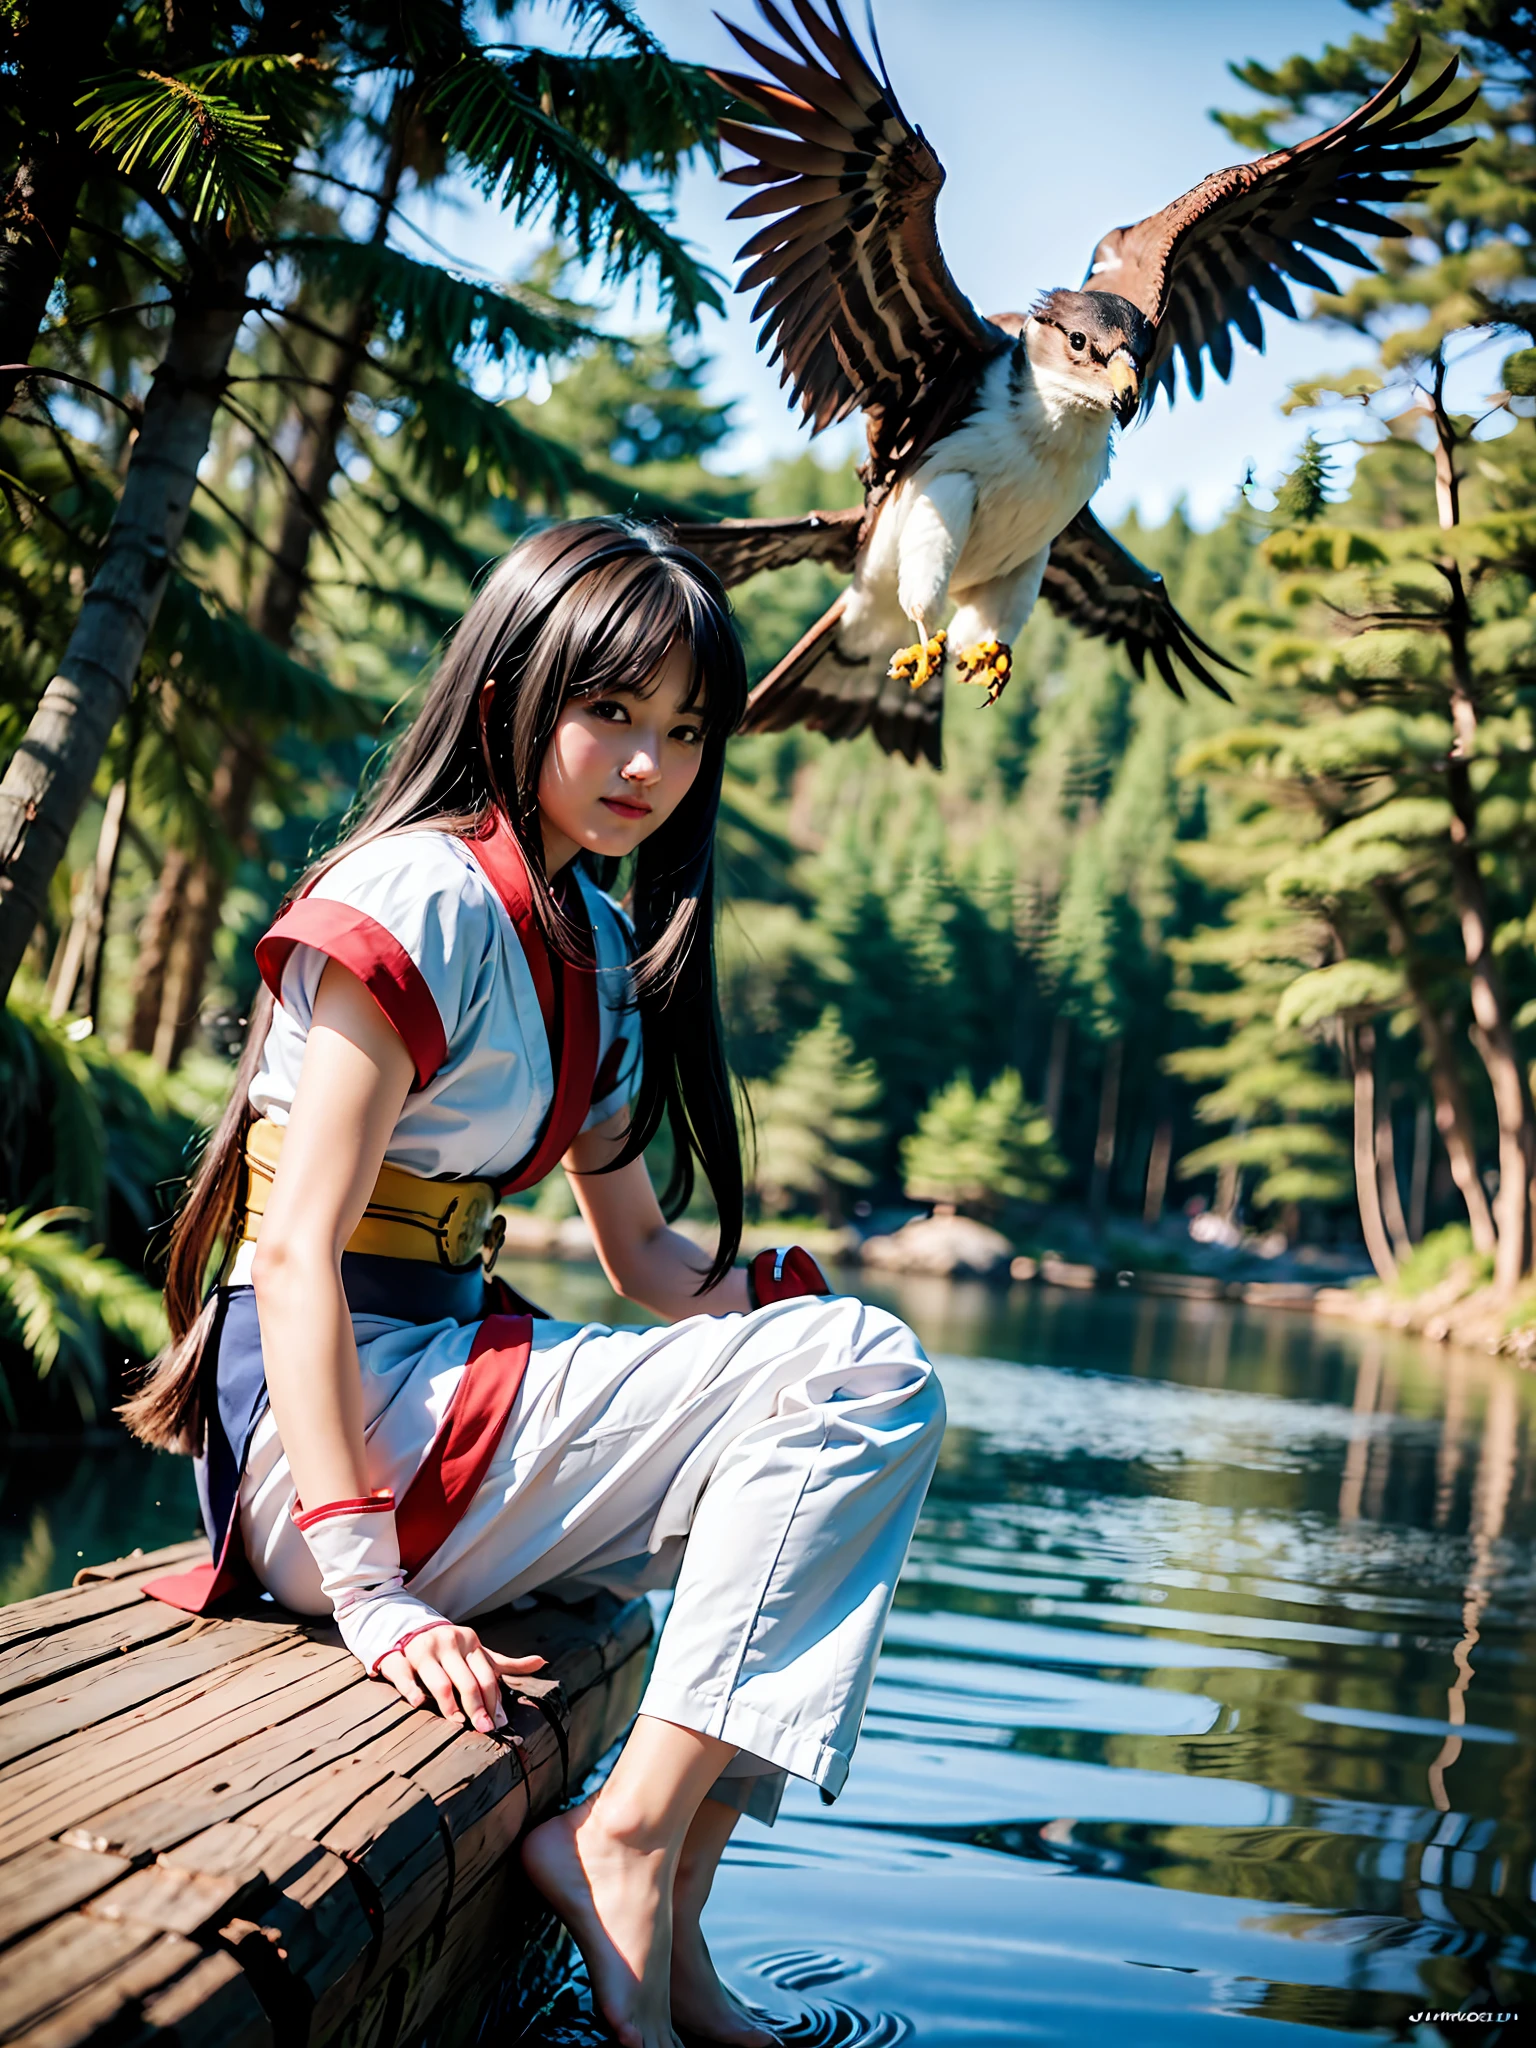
column 953, row 1247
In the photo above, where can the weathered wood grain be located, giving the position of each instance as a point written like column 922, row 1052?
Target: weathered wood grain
column 222, row 1833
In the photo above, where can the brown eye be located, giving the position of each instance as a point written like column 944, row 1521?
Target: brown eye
column 1077, row 341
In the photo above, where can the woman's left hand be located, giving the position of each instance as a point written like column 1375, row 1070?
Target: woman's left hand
column 452, row 1666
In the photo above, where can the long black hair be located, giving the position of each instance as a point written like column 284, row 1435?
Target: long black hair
column 575, row 610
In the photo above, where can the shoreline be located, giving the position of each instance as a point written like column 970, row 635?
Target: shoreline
column 1459, row 1309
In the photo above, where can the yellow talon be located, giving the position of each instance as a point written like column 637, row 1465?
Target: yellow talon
column 915, row 664
column 989, row 664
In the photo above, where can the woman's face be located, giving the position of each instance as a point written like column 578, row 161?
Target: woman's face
column 618, row 767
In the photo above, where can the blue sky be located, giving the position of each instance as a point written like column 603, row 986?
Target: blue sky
column 1055, row 120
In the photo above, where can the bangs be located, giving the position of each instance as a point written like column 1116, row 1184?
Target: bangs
column 628, row 617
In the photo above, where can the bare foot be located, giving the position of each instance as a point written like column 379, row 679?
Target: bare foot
column 616, row 1899
column 701, row 2004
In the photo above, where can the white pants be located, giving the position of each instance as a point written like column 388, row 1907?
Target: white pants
column 770, row 1467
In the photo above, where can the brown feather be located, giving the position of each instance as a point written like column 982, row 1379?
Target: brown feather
column 738, row 548
column 1196, row 268
column 854, row 297
column 825, row 691
column 1099, row 587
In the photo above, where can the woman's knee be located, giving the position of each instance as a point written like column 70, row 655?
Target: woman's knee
column 887, row 1357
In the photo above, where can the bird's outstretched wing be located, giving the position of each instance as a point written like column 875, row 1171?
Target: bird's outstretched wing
column 738, row 548
column 1199, row 268
column 855, row 297
column 1100, row 587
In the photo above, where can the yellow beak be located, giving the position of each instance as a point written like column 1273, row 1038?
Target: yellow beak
column 1126, row 386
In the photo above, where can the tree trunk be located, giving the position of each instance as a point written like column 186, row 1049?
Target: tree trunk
column 77, row 984
column 56, row 50
column 1158, row 1162
column 199, row 903
column 1104, row 1142
column 1056, row 1070
column 79, row 969
column 49, row 776
column 1386, row 1172
column 156, row 936
column 1418, row 1184
column 1453, row 1117
column 1493, row 1033
column 1361, row 1042
column 1493, row 1036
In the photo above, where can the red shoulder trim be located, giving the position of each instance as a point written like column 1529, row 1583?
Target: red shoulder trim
column 375, row 956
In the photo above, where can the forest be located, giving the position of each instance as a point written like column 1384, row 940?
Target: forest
column 1123, row 954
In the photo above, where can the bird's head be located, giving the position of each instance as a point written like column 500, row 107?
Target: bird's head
column 1094, row 346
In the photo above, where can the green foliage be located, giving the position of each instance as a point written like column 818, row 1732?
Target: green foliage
column 812, row 1123
column 1436, row 1257
column 523, row 157
column 1305, row 494
column 57, row 1298
column 1347, row 987
column 1394, row 646
column 981, row 1152
column 226, row 159
column 429, row 309
column 103, row 1133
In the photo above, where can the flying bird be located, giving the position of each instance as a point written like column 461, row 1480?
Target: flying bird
column 988, row 436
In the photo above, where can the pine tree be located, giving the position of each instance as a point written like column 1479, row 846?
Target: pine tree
column 813, row 1126
column 983, row 1152
column 410, row 333
column 1304, row 495
column 1399, row 650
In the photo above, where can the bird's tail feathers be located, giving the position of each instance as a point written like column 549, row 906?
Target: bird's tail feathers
column 820, row 685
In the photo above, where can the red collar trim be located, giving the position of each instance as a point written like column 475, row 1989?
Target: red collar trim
column 567, row 999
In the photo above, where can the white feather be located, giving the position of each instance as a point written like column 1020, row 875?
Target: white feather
column 975, row 520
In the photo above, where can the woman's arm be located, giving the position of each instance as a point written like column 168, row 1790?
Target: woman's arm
column 645, row 1260
column 352, row 1087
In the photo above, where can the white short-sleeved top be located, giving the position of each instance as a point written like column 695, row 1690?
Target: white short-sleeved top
column 416, row 918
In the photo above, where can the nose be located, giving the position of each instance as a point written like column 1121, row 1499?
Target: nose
column 1126, row 386
column 644, row 764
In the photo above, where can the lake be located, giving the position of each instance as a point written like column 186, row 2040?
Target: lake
column 1209, row 1695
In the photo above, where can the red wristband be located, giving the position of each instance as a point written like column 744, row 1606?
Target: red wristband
column 783, row 1272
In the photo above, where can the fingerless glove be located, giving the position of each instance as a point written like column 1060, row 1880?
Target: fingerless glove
column 356, row 1547
column 782, row 1273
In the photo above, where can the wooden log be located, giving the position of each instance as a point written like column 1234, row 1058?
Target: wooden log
column 222, row 1832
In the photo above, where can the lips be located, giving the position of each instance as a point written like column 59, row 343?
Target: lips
column 622, row 808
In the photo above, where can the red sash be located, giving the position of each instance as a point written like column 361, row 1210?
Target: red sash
column 461, row 1452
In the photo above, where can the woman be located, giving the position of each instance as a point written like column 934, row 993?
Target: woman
column 458, row 1007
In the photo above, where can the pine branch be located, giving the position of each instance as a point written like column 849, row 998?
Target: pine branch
column 124, row 405
column 641, row 109
column 466, row 449
column 438, row 314
column 436, row 538
column 514, row 149
column 245, row 671
column 226, row 161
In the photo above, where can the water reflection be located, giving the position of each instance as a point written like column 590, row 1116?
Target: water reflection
column 1209, row 1693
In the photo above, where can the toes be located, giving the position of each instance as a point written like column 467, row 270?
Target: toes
column 988, row 665
column 917, row 663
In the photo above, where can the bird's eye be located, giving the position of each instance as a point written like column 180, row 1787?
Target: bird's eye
column 1077, row 341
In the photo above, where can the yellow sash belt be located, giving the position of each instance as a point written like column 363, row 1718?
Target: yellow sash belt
column 451, row 1222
